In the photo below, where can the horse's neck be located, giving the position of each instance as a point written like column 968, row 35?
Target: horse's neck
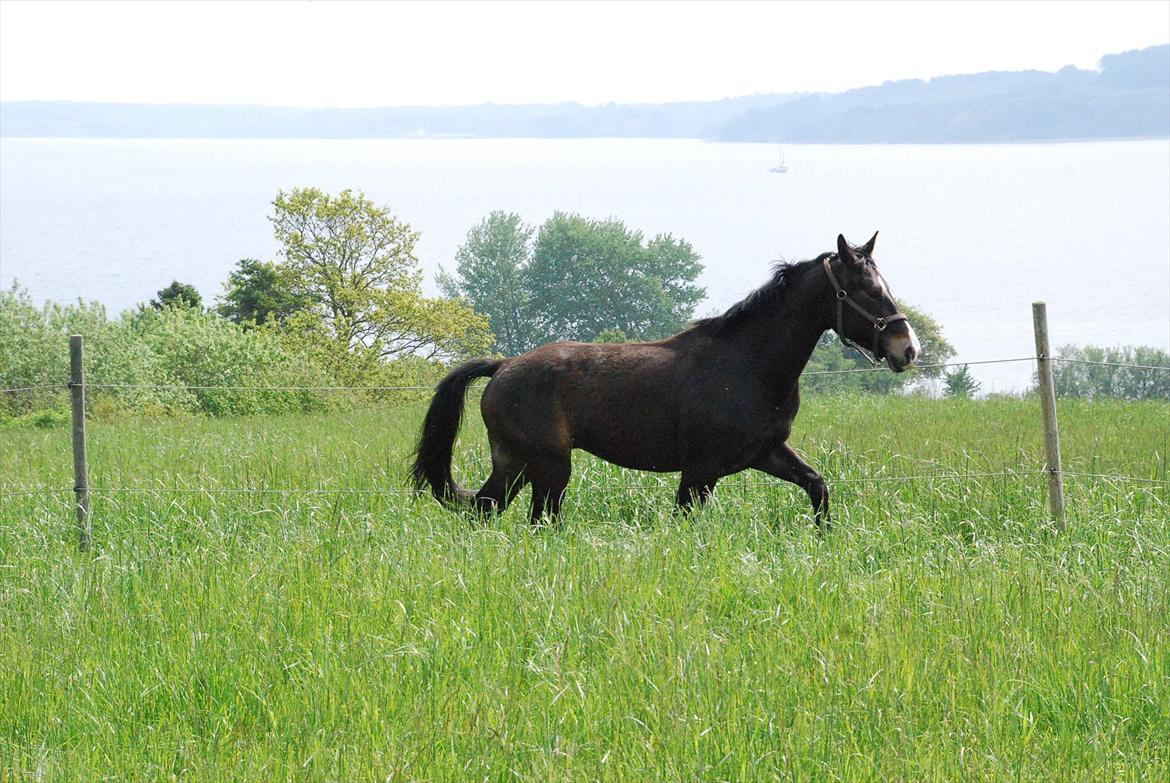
column 784, row 339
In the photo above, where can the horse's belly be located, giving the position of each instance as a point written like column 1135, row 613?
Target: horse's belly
column 651, row 447
column 654, row 440
column 635, row 459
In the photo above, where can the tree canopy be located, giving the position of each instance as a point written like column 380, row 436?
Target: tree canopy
column 353, row 264
column 1126, row 373
column 258, row 292
column 577, row 280
column 960, row 383
column 490, row 269
column 178, row 294
column 590, row 275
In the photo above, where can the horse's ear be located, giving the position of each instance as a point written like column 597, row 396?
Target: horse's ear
column 844, row 252
column 867, row 248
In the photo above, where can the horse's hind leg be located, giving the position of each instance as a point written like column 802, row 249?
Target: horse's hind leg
column 693, row 489
column 506, row 480
column 783, row 463
column 549, row 477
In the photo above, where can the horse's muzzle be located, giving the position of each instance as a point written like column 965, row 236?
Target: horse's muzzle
column 901, row 351
column 902, row 363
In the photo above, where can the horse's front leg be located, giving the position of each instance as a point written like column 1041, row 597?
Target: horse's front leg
column 783, row 463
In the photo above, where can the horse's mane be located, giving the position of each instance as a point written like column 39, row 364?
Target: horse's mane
column 765, row 299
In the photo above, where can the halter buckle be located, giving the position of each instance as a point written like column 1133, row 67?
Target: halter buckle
column 841, row 294
column 879, row 324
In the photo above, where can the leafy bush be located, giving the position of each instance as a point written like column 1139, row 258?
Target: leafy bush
column 144, row 361
column 43, row 419
column 37, row 354
column 960, row 383
column 197, row 349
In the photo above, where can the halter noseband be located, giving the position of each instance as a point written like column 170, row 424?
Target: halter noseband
column 879, row 323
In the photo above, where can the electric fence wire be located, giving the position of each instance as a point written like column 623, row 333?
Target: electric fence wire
column 303, row 490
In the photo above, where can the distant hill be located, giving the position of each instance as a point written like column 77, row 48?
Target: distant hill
column 1128, row 97
column 123, row 120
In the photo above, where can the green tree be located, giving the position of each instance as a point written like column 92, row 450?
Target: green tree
column 960, row 383
column 179, row 295
column 590, row 275
column 1102, row 372
column 490, row 270
column 611, row 336
column 258, row 292
column 831, row 355
column 354, row 262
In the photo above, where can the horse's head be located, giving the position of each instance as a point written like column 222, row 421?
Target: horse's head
column 864, row 311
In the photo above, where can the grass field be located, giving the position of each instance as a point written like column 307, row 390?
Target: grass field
column 939, row 633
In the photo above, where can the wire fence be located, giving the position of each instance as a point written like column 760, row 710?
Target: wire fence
column 880, row 368
column 223, row 387
column 64, row 385
column 1111, row 364
column 662, row 483
column 40, row 387
column 216, row 387
column 26, row 491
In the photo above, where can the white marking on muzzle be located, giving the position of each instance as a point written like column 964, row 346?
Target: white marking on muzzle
column 917, row 346
column 897, row 346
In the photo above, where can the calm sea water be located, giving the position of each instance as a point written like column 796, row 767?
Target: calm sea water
column 970, row 233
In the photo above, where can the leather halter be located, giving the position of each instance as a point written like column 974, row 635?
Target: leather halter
column 879, row 322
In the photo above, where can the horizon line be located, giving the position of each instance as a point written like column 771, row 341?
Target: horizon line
column 565, row 101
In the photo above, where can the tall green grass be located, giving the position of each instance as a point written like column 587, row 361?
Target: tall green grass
column 941, row 632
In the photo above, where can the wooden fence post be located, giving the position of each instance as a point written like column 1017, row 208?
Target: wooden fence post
column 80, row 468
column 1048, row 406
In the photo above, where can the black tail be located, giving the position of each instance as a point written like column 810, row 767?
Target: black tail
column 432, row 461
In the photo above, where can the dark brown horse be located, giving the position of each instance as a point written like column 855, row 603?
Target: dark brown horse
column 708, row 402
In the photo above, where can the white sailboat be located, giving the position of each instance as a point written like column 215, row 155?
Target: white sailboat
column 779, row 168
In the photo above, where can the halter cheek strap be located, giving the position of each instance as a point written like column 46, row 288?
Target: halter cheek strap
column 879, row 322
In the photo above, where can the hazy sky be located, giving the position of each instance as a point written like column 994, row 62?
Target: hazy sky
column 379, row 54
